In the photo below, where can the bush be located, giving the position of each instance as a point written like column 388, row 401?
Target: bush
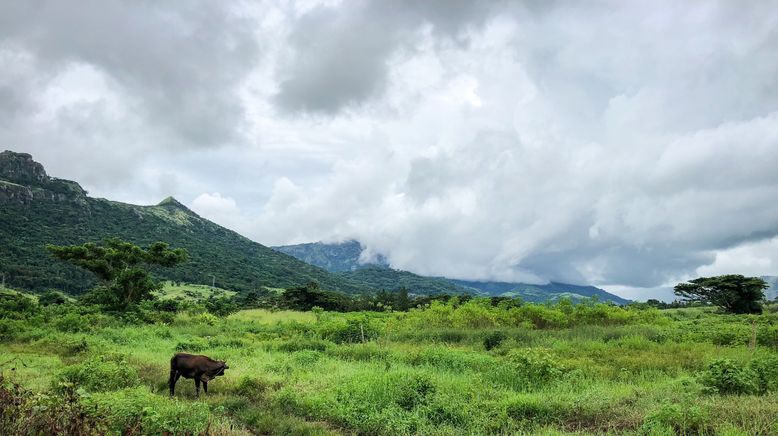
column 681, row 419
column 11, row 328
column 765, row 370
column 536, row 365
column 724, row 376
column 494, row 339
column 22, row 412
column 99, row 374
column 351, row 331
column 251, row 387
column 414, row 390
column 137, row 408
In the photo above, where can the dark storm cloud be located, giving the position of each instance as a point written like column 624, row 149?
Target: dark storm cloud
column 341, row 54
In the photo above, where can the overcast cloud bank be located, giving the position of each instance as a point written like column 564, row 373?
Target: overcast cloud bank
column 623, row 144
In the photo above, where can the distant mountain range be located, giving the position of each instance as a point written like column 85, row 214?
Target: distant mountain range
column 36, row 209
column 344, row 259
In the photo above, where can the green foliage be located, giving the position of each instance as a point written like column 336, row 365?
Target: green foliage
column 608, row 370
column 734, row 293
column 682, row 419
column 99, row 374
column 121, row 267
column 51, row 297
column 725, row 376
column 381, row 277
column 23, row 412
column 413, row 390
column 537, row 366
column 152, row 414
column 351, row 330
column 237, row 262
column 494, row 339
column 765, row 371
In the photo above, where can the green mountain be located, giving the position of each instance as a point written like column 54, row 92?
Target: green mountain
column 337, row 257
column 343, row 258
column 539, row 293
column 388, row 279
column 36, row 210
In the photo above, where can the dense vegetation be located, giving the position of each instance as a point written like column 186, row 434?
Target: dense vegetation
column 447, row 368
column 235, row 262
column 381, row 277
column 335, row 257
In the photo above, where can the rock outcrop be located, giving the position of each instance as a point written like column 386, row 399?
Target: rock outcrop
column 23, row 180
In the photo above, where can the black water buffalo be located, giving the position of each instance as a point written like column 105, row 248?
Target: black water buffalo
column 200, row 368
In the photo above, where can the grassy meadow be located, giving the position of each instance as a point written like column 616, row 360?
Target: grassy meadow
column 445, row 369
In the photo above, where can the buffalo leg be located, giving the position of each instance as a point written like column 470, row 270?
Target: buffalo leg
column 174, row 375
column 197, row 387
column 205, row 386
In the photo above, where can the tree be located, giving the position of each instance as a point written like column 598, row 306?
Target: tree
column 734, row 293
column 122, row 267
column 401, row 301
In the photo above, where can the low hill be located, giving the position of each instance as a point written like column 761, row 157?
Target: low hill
column 388, row 279
column 539, row 293
column 36, row 209
column 343, row 258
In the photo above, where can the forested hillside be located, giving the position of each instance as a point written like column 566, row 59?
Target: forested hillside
column 37, row 210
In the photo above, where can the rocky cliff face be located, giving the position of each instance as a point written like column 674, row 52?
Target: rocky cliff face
column 21, row 169
column 22, row 180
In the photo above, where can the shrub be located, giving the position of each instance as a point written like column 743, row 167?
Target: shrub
column 414, row 390
column 251, row 387
column 137, row 408
column 22, row 412
column 351, row 331
column 681, row 419
column 724, row 376
column 765, row 370
column 540, row 316
column 10, row 329
column 99, row 374
column 536, row 365
column 494, row 339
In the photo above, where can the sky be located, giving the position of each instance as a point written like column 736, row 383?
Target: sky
column 626, row 144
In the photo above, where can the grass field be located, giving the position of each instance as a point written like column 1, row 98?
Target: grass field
column 448, row 369
column 186, row 291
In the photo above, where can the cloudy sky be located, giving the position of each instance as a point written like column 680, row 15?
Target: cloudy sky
column 626, row 144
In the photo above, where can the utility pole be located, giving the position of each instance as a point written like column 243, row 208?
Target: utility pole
column 213, row 282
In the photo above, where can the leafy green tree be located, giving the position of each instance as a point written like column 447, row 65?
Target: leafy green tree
column 122, row 267
column 51, row 297
column 401, row 301
column 734, row 293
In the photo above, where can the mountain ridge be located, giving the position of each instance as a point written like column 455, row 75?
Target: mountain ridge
column 326, row 256
column 36, row 209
